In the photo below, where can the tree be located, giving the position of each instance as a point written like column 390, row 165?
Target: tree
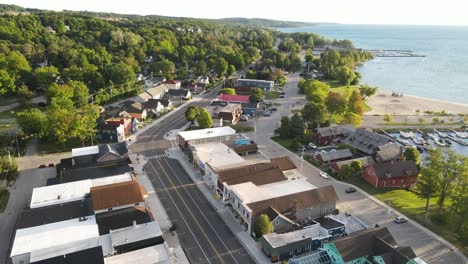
column 220, row 66
column 427, row 185
column 192, row 112
column 204, row 119
column 231, row 70
column 24, row 93
column 17, row 64
column 164, row 67
column 7, row 83
column 296, row 126
column 413, row 154
column 256, row 95
column 356, row 166
column 421, row 120
column 314, row 114
column 200, row 68
column 345, row 171
column 85, row 122
column 45, row 76
column 345, row 75
column 388, row 118
column 33, row 122
column 436, row 120
column 250, row 74
column 355, row 104
column 61, row 124
column 80, row 93
column 263, row 226
column 120, row 73
column 8, row 168
column 336, row 103
column 367, row 91
column 352, row 118
column 230, row 91
column 284, row 128
column 314, row 90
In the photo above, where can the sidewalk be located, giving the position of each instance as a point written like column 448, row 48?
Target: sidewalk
column 252, row 247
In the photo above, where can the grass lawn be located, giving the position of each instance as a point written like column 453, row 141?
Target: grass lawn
column 346, row 91
column 242, row 128
column 4, row 195
column 46, row 147
column 285, row 142
column 271, row 95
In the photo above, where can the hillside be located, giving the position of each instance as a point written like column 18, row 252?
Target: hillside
column 261, row 22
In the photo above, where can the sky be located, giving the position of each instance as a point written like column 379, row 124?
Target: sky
column 408, row 12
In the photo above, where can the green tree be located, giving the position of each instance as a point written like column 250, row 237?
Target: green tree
column 250, row 74
column 336, row 103
column 33, row 122
column 256, row 95
column 85, row 122
column 355, row 104
column 8, row 168
column 192, row 112
column 367, row 91
column 220, row 66
column 200, row 68
column 45, row 76
column 296, row 126
column 231, row 70
column 230, row 91
column 120, row 73
column 61, row 124
column 352, row 118
column 164, row 67
column 24, row 93
column 314, row 114
column 427, row 185
column 80, row 93
column 345, row 171
column 7, row 83
column 345, row 75
column 314, row 90
column 284, row 128
column 435, row 120
column 16, row 64
column 263, row 226
column 411, row 153
column 356, row 166
column 388, row 118
column 421, row 120
column 204, row 119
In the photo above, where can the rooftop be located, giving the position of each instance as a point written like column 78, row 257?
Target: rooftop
column 50, row 235
column 234, row 98
column 389, row 151
column 156, row 255
column 229, row 108
column 333, row 131
column 85, row 151
column 122, row 218
column 335, row 155
column 365, row 161
column 310, row 232
column 352, row 223
column 257, row 173
column 366, row 141
column 396, row 169
column 172, row 82
column 89, row 256
column 207, row 133
column 116, row 194
column 92, row 171
column 216, row 154
column 135, row 233
column 329, row 223
column 284, row 163
column 251, row 193
column 178, row 92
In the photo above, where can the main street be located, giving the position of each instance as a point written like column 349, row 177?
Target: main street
column 203, row 235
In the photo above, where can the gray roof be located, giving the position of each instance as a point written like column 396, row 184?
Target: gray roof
column 279, row 240
column 397, row 169
column 335, row 155
column 365, row 161
column 178, row 92
column 389, row 151
column 153, row 103
column 335, row 131
column 119, row 149
column 366, row 141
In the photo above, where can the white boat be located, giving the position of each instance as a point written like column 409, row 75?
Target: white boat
column 441, row 135
column 461, row 134
column 406, row 134
column 441, row 143
column 417, row 141
column 404, row 142
column 432, row 136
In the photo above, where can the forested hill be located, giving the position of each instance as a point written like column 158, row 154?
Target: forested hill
column 261, row 22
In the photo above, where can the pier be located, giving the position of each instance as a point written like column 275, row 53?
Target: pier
column 394, row 53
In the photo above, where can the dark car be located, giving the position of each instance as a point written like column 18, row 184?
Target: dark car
column 42, row 166
column 272, row 109
column 350, row 190
column 51, row 165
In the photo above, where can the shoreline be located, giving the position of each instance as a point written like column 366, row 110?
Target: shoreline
column 384, row 103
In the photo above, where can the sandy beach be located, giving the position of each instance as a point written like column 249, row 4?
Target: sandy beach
column 384, row 103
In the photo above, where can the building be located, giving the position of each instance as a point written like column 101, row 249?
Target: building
column 110, row 132
column 116, row 196
column 205, row 80
column 399, row 174
column 136, row 237
column 135, row 109
column 334, row 156
column 365, row 161
column 158, row 106
column 243, row 86
column 367, row 142
column 92, row 255
column 112, row 220
column 326, row 135
column 230, row 113
column 172, row 84
column 285, row 164
column 236, row 99
column 178, row 94
column 155, row 92
column 245, row 149
column 250, row 108
column 225, row 135
column 389, row 152
column 155, row 254
column 124, row 120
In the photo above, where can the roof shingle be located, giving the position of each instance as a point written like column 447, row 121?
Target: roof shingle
column 116, row 194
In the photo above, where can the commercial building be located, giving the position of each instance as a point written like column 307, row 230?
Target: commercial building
column 367, row 142
column 237, row 99
column 243, row 86
column 389, row 152
column 225, row 135
column 117, row 196
column 326, row 135
column 334, row 156
column 399, row 174
column 365, row 161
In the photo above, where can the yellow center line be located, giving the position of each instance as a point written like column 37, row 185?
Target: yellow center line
column 190, row 211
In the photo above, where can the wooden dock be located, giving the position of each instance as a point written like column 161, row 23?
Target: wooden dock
column 395, row 53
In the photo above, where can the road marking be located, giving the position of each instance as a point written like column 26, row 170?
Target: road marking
column 191, row 213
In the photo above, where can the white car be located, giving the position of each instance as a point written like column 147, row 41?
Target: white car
column 312, row 145
column 324, row 174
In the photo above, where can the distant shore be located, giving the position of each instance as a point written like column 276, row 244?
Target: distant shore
column 384, row 103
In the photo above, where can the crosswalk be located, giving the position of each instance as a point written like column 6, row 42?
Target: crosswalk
column 156, row 156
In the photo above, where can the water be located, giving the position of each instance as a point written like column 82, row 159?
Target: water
column 442, row 74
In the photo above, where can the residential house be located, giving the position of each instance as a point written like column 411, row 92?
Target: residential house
column 158, row 106
column 195, row 88
column 365, row 161
column 237, row 99
column 204, row 80
column 326, row 135
column 243, row 86
column 178, row 94
column 110, row 132
column 389, row 152
column 172, row 84
column 117, row 196
column 398, row 174
column 365, row 141
column 250, row 108
column 135, row 109
column 126, row 122
column 219, row 134
column 334, row 156
column 155, row 92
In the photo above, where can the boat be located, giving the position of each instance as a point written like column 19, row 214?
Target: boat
column 441, row 135
column 406, row 134
column 441, row 143
column 417, row 141
column 404, row 142
column 448, row 142
column 461, row 134
column 432, row 136
column 420, row 149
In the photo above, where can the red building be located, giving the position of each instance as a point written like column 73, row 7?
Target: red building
column 234, row 98
column 325, row 135
column 126, row 122
column 399, row 174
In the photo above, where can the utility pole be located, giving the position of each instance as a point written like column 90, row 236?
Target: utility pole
column 9, row 157
column 17, row 145
column 302, row 159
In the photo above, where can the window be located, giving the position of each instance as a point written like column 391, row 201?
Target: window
column 393, row 182
column 136, row 204
column 299, row 250
column 277, row 221
column 109, row 209
column 401, row 181
column 247, row 215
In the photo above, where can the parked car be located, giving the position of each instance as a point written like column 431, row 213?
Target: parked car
column 350, row 190
column 332, row 150
column 400, row 220
column 51, row 165
column 312, row 145
column 42, row 166
column 281, row 96
column 272, row 109
column 244, row 118
column 323, row 151
column 324, row 174
column 266, row 113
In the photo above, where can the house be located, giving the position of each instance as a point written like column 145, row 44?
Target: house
column 158, row 106
column 113, row 220
column 366, row 141
column 135, row 237
column 178, row 94
column 93, row 255
column 389, row 152
column 243, row 86
column 155, row 254
column 110, row 132
column 135, row 109
column 237, row 99
column 285, row 164
column 326, row 135
column 195, row 88
column 155, row 92
column 250, row 108
column 334, row 156
column 365, row 161
column 116, row 196
column 100, row 153
column 230, row 113
column 172, row 84
column 399, row 174
column 126, row 121
column 204, row 80
column 50, row 30
column 200, row 136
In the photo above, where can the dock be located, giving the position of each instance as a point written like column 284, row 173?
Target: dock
column 457, row 140
column 395, row 53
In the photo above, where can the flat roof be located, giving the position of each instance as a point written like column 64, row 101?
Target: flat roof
column 309, row 232
column 85, row 151
column 55, row 234
column 352, row 223
column 95, row 170
column 60, row 193
column 150, row 255
column 89, row 256
column 329, row 223
column 217, row 155
column 122, row 218
column 207, row 133
column 135, row 233
column 125, row 177
column 250, row 193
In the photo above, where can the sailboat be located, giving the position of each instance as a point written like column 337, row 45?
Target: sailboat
column 406, row 134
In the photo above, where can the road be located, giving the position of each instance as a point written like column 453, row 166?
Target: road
column 203, row 235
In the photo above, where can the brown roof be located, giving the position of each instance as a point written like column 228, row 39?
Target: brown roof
column 295, row 201
column 245, row 148
column 116, row 194
column 403, row 168
column 258, row 174
column 283, row 163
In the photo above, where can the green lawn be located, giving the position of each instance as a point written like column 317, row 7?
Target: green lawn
column 271, row 95
column 4, row 195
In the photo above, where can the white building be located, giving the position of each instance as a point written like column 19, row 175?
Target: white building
column 155, row 255
column 218, row 134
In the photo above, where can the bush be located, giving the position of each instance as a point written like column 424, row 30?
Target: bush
column 295, row 145
column 440, row 218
